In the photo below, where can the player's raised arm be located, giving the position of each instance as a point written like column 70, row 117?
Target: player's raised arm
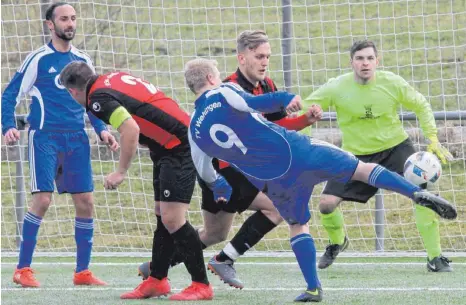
column 322, row 96
column 265, row 103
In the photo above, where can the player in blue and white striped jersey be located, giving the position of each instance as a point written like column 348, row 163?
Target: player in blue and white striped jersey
column 227, row 125
column 59, row 148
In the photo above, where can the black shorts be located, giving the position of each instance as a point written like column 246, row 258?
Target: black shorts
column 393, row 159
column 244, row 193
column 174, row 176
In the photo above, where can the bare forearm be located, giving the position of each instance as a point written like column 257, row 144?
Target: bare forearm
column 129, row 143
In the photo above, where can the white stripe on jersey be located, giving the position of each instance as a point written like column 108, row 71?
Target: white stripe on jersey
column 28, row 58
column 35, row 92
column 202, row 161
column 32, row 162
column 234, row 99
column 30, row 74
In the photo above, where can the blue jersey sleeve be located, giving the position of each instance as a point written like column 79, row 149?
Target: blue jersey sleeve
column 202, row 162
column 98, row 124
column 265, row 103
column 10, row 99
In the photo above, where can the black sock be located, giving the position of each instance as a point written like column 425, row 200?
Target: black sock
column 162, row 251
column 178, row 256
column 251, row 232
column 187, row 241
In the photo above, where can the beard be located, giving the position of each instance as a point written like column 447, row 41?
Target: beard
column 65, row 35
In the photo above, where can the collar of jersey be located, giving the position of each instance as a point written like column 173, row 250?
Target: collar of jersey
column 244, row 82
column 198, row 100
column 89, row 85
column 50, row 45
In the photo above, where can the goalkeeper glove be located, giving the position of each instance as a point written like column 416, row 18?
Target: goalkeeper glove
column 222, row 190
column 442, row 153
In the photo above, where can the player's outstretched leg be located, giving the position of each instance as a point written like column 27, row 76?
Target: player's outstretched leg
column 378, row 176
column 436, row 203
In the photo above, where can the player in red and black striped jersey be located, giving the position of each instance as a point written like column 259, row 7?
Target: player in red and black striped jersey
column 139, row 110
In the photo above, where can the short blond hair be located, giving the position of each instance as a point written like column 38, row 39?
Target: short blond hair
column 250, row 40
column 196, row 71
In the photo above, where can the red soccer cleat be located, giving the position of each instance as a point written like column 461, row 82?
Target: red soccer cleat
column 195, row 292
column 87, row 278
column 151, row 287
column 25, row 277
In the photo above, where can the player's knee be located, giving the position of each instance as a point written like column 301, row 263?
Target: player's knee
column 215, row 236
column 41, row 202
column 328, row 204
column 173, row 222
column 84, row 204
column 363, row 171
column 220, row 236
column 273, row 215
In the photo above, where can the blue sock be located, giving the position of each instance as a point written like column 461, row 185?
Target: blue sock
column 305, row 252
column 31, row 226
column 381, row 177
column 83, row 233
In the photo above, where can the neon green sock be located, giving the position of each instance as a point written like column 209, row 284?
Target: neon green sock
column 333, row 224
column 427, row 224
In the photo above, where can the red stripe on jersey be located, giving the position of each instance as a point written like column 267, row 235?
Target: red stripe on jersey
column 156, row 133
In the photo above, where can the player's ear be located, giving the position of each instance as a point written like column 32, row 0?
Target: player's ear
column 73, row 91
column 241, row 58
column 50, row 25
column 210, row 79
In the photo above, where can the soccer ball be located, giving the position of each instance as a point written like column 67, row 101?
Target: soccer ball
column 423, row 169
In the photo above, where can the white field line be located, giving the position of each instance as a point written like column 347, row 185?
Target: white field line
column 262, row 254
column 240, row 263
column 361, row 289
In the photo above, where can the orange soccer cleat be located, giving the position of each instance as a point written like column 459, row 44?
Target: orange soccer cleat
column 195, row 292
column 151, row 287
column 25, row 277
column 87, row 278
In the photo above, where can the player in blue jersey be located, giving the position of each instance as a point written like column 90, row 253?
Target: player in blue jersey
column 59, row 148
column 227, row 125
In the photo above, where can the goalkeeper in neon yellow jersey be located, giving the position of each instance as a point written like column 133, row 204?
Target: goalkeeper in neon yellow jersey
column 366, row 102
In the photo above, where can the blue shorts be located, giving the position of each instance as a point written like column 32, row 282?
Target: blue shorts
column 60, row 157
column 313, row 162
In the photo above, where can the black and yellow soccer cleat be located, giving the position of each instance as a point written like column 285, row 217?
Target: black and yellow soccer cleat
column 315, row 295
